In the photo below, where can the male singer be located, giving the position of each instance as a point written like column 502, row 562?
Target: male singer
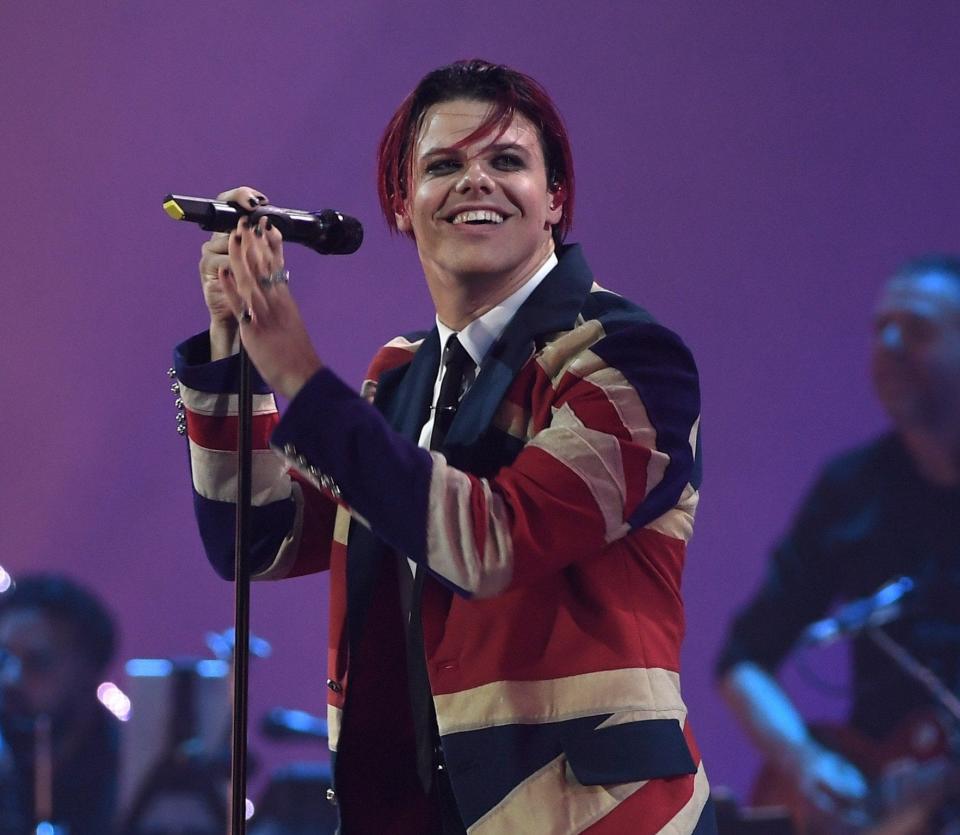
column 505, row 510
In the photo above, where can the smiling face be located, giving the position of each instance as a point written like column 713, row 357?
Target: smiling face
column 481, row 214
column 916, row 351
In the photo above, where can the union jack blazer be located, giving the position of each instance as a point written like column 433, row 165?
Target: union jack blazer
column 552, row 526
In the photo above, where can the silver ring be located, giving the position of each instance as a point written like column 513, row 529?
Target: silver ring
column 281, row 276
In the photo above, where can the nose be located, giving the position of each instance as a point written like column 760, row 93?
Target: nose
column 474, row 177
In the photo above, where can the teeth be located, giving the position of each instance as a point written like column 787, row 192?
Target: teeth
column 482, row 215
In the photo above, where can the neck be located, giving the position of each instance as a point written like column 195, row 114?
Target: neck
column 936, row 457
column 459, row 306
column 460, row 298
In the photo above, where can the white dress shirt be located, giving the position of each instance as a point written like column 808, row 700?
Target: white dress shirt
column 481, row 333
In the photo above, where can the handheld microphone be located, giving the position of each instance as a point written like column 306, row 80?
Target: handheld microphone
column 883, row 606
column 328, row 232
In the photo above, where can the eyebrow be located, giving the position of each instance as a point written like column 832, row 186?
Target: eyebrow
column 497, row 147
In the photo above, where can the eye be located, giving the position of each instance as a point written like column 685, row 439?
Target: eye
column 442, row 166
column 508, row 162
column 909, row 329
column 918, row 330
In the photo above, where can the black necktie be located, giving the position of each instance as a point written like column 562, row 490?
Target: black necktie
column 457, row 364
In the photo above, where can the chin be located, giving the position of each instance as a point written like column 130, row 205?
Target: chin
column 481, row 267
column 916, row 416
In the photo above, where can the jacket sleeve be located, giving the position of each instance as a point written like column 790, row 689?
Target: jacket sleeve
column 611, row 440
column 291, row 520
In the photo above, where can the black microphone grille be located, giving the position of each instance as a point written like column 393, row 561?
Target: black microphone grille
column 342, row 234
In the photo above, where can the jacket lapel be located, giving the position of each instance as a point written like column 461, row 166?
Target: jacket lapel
column 403, row 397
column 404, row 393
column 552, row 307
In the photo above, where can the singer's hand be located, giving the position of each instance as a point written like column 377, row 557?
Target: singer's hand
column 274, row 336
column 214, row 264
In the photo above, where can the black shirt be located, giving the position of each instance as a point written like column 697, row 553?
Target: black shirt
column 870, row 517
column 84, row 785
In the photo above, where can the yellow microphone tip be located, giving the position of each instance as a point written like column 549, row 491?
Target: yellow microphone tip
column 172, row 208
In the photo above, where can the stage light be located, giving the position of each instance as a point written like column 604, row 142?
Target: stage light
column 114, row 700
column 149, row 667
column 212, row 668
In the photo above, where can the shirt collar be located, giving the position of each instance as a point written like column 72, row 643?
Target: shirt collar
column 482, row 332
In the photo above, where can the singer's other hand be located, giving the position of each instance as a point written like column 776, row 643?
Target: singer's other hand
column 270, row 322
column 214, row 263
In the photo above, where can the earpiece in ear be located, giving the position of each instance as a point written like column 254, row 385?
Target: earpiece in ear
column 557, row 188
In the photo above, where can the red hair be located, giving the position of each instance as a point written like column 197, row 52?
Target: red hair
column 509, row 92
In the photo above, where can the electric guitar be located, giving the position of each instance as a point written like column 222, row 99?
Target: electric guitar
column 912, row 773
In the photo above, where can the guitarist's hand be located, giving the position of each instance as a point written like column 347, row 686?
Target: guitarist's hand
column 833, row 787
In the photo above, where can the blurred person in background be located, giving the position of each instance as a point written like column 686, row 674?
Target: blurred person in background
column 887, row 509
column 58, row 744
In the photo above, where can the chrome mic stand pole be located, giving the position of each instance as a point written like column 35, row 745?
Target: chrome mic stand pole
column 241, row 642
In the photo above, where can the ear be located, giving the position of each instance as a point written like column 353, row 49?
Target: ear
column 403, row 222
column 556, row 197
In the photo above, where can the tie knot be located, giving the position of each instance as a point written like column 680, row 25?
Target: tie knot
column 455, row 356
column 457, row 368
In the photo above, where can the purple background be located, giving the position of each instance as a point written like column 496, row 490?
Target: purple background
column 748, row 171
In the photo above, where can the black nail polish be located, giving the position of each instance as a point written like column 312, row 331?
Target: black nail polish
column 253, row 202
column 262, row 199
column 237, row 239
column 269, row 224
column 258, row 231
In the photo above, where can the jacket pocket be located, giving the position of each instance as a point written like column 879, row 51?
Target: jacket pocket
column 644, row 750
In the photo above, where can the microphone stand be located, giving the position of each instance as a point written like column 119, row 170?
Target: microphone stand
column 327, row 232
column 917, row 671
column 42, row 770
column 241, row 642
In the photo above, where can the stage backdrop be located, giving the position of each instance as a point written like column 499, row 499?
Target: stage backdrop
column 747, row 171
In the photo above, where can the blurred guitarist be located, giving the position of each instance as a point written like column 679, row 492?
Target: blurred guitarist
column 889, row 508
